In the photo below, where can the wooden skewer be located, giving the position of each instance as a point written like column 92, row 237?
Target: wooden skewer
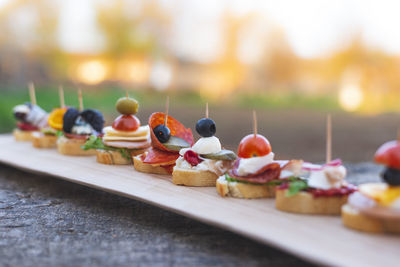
column 166, row 111
column 328, row 138
column 127, row 95
column 398, row 134
column 61, row 94
column 80, row 100
column 207, row 110
column 255, row 130
column 32, row 94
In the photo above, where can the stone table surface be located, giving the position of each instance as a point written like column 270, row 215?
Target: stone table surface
column 45, row 221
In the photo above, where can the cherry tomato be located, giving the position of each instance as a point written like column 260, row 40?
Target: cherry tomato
column 126, row 123
column 254, row 146
column 388, row 154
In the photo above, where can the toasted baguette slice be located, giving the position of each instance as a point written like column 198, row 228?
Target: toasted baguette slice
column 354, row 219
column 242, row 190
column 20, row 135
column 41, row 140
column 72, row 147
column 140, row 166
column 193, row 178
column 306, row 203
column 114, row 157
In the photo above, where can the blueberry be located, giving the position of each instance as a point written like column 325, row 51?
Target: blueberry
column 94, row 118
column 162, row 133
column 206, row 127
column 69, row 119
column 391, row 176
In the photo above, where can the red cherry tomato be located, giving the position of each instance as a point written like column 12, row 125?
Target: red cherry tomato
column 388, row 154
column 126, row 123
column 254, row 146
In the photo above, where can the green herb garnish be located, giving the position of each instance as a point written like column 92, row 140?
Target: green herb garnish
column 49, row 131
column 295, row 187
column 59, row 133
column 95, row 142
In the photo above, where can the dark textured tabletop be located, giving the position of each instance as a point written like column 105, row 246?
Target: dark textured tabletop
column 45, row 221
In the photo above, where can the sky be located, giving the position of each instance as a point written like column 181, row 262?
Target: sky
column 313, row 28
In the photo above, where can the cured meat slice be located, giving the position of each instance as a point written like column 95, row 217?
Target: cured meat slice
column 155, row 156
column 177, row 129
column 128, row 145
column 76, row 136
column 264, row 175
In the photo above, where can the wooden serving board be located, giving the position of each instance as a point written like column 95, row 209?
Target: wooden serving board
column 320, row 239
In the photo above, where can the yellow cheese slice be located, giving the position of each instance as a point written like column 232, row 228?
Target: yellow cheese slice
column 382, row 193
column 142, row 131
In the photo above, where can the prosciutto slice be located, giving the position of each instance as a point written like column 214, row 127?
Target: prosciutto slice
column 128, row 145
column 266, row 174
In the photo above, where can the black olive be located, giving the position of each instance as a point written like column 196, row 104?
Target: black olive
column 21, row 116
column 206, row 127
column 391, row 176
column 69, row 119
column 162, row 133
column 94, row 118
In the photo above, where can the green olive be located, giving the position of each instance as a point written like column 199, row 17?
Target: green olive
column 127, row 106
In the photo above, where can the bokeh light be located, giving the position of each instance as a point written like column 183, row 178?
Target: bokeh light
column 350, row 97
column 92, row 72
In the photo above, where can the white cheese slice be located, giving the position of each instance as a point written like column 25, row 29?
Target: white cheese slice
column 252, row 165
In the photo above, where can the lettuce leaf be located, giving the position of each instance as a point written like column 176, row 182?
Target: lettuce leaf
column 59, row 133
column 295, row 187
column 273, row 182
column 49, row 131
column 95, row 142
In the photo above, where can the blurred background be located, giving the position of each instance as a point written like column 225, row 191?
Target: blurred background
column 292, row 61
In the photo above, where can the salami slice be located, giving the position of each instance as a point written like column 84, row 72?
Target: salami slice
column 264, row 175
column 156, row 156
column 76, row 136
column 176, row 128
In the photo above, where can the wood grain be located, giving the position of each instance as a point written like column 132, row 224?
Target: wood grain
column 321, row 239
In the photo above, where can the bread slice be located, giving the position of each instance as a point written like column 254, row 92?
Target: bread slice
column 140, row 166
column 354, row 219
column 242, row 190
column 41, row 140
column 72, row 147
column 20, row 135
column 112, row 157
column 193, row 178
column 306, row 203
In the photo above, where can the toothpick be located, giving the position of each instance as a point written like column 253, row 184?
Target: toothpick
column 127, row 95
column 328, row 138
column 80, row 100
column 61, row 94
column 207, row 110
column 32, row 94
column 398, row 134
column 255, row 130
column 166, row 111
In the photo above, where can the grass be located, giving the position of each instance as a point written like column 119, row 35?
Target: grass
column 104, row 100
